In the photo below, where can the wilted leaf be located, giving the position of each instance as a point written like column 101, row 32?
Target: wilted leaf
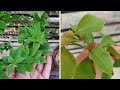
column 68, row 37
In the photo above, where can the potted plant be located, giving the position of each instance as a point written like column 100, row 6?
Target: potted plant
column 55, row 56
column 33, row 39
column 95, row 60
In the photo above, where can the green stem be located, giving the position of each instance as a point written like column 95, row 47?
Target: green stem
column 78, row 45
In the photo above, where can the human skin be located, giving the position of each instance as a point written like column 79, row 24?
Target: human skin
column 80, row 57
column 42, row 71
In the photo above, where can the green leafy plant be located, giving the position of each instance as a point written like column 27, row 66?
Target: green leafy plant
column 34, row 45
column 94, row 54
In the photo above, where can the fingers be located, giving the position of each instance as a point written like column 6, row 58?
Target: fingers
column 98, row 72
column 40, row 76
column 34, row 64
column 39, row 68
column 34, row 74
column 117, row 48
column 47, row 68
column 28, row 75
column 20, row 76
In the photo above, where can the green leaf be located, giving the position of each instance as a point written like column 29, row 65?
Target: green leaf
column 21, row 68
column 89, row 23
column 42, row 59
column 106, row 41
column 10, row 59
column 22, row 29
column 117, row 63
column 18, row 60
column 29, row 40
column 68, row 64
column 22, row 37
column 112, row 50
column 105, row 76
column 10, row 69
column 3, row 65
column 37, row 60
column 85, row 70
column 1, row 31
column 35, row 48
column 29, row 67
column 102, row 59
column 11, row 23
column 13, row 53
column 73, row 27
column 2, row 14
column 2, row 24
column 88, row 37
column 27, row 60
column 3, row 75
column 5, row 59
column 40, row 13
column 68, row 37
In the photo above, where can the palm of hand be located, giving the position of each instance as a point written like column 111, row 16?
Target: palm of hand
column 42, row 71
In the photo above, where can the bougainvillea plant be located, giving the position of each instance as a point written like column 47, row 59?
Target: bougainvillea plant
column 94, row 54
column 33, row 40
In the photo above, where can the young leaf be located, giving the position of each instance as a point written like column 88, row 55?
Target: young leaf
column 105, row 76
column 89, row 23
column 10, row 69
column 12, row 53
column 85, row 70
column 3, row 65
column 18, row 60
column 102, row 59
column 106, row 41
column 10, row 59
column 2, row 24
column 42, row 60
column 68, row 37
column 35, row 48
column 27, row 60
column 68, row 64
column 40, row 13
column 117, row 63
column 73, row 27
column 29, row 67
column 36, row 60
column 21, row 68
column 112, row 50
column 88, row 37
column 3, row 75
column 5, row 59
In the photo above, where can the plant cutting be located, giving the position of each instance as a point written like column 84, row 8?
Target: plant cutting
column 34, row 44
column 96, row 56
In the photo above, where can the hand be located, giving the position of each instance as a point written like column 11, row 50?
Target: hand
column 42, row 71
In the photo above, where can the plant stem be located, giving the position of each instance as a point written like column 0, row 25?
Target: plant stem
column 78, row 45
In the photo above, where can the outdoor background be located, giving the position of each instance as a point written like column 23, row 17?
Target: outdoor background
column 112, row 28
column 53, row 37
